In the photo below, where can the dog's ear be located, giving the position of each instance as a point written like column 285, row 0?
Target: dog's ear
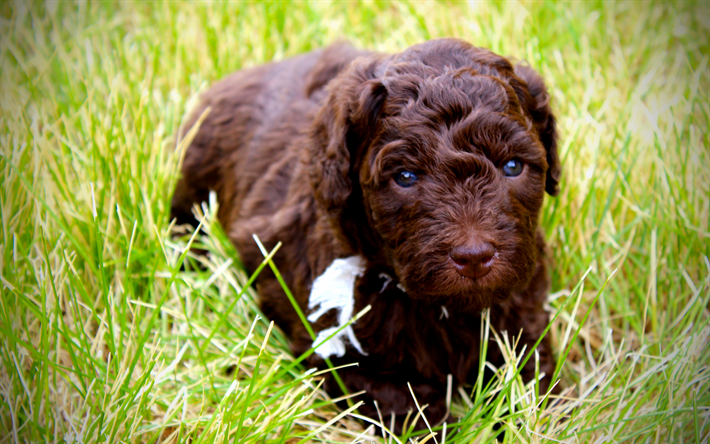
column 343, row 129
column 544, row 122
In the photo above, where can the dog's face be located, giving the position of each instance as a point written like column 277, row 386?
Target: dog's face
column 435, row 167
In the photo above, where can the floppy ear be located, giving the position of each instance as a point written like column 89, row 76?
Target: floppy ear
column 343, row 129
column 544, row 122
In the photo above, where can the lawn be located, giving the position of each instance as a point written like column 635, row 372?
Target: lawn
column 113, row 331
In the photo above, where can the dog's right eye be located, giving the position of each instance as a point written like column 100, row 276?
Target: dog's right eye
column 405, row 179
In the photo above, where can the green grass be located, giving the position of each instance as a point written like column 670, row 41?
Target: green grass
column 105, row 338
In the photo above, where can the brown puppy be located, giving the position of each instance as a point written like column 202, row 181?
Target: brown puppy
column 427, row 167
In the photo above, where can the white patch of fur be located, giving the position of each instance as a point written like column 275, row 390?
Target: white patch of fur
column 335, row 289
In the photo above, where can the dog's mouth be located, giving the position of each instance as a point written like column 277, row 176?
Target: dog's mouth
column 472, row 286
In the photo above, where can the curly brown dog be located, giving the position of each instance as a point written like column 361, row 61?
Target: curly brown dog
column 423, row 171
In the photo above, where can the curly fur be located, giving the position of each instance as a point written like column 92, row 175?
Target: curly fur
column 307, row 150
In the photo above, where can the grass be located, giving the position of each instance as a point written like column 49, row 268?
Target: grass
column 106, row 338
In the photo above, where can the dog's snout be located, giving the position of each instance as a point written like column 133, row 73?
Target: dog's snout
column 474, row 259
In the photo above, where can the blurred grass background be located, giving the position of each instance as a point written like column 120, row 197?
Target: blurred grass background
column 105, row 339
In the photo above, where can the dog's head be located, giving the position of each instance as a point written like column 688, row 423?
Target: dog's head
column 433, row 164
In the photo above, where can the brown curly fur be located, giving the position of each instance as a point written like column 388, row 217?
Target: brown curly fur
column 306, row 151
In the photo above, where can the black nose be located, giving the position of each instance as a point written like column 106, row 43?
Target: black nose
column 474, row 259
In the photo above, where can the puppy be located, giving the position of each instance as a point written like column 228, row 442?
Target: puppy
column 409, row 182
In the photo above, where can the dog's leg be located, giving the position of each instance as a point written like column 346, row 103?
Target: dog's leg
column 394, row 397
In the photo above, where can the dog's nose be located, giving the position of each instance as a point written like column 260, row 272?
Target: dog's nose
column 474, row 259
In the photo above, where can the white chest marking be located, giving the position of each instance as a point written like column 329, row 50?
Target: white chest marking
column 335, row 289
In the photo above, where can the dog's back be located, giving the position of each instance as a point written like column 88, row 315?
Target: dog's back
column 240, row 141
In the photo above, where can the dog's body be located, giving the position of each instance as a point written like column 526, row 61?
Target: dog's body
column 431, row 165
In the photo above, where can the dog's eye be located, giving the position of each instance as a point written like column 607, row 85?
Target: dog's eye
column 406, row 179
column 513, row 168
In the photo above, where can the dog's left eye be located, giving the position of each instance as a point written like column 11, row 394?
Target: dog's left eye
column 406, row 179
column 513, row 168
